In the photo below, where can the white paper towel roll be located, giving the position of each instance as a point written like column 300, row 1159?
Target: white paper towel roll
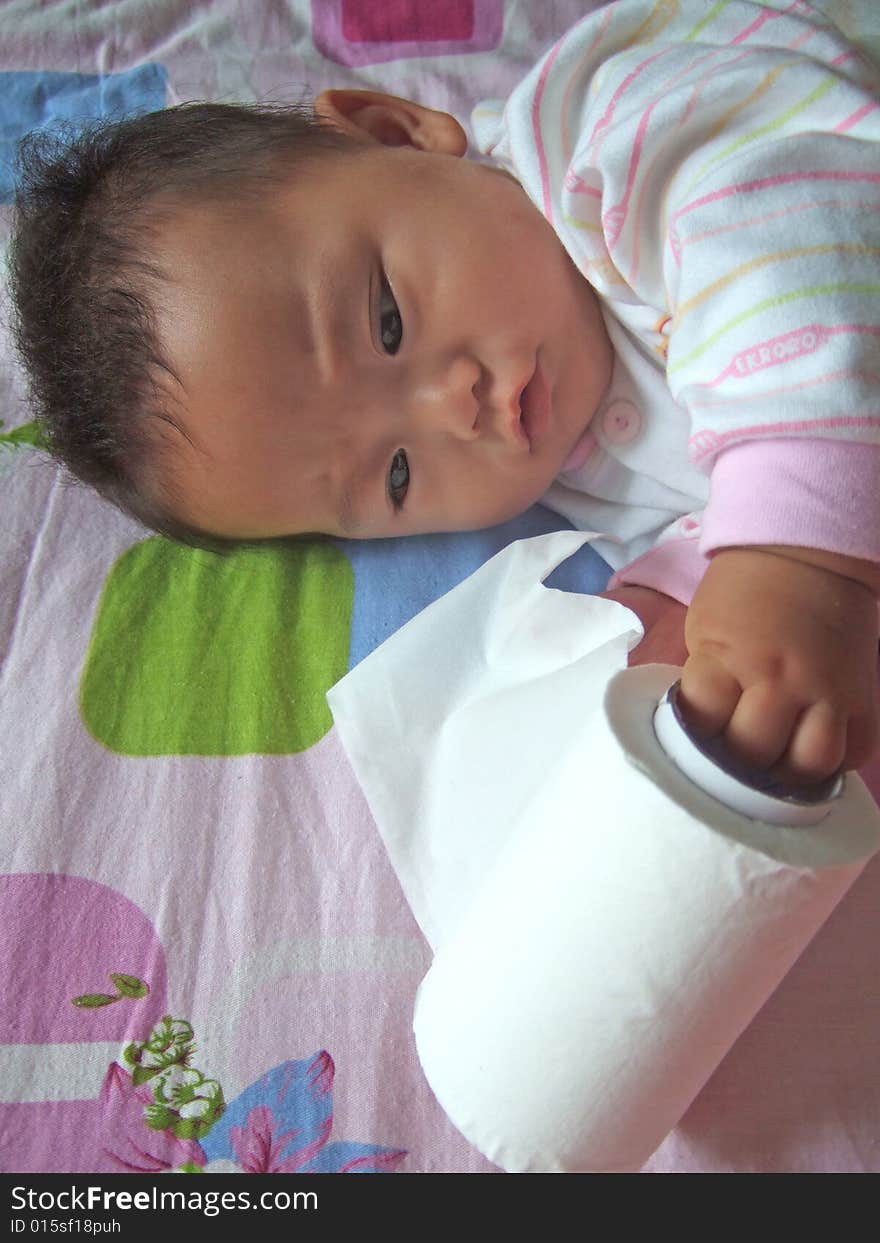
column 624, row 926
column 619, row 948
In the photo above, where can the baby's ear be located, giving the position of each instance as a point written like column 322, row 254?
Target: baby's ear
column 373, row 117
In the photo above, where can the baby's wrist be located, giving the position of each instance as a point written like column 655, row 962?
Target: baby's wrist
column 864, row 573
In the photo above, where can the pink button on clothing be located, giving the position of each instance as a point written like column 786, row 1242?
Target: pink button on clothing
column 621, row 422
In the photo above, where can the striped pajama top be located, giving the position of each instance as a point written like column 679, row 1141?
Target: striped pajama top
column 714, row 172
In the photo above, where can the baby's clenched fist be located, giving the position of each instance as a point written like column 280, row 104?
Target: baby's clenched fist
column 782, row 660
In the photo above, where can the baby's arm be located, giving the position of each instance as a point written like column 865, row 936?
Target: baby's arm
column 779, row 649
column 663, row 619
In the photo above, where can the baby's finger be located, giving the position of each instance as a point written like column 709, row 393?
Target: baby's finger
column 861, row 740
column 708, row 695
column 818, row 744
column 759, row 731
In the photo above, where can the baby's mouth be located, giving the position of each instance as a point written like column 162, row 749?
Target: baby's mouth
column 534, row 405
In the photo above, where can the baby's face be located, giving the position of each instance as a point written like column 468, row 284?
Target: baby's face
column 394, row 344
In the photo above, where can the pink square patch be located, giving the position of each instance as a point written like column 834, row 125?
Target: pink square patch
column 368, row 32
column 407, row 21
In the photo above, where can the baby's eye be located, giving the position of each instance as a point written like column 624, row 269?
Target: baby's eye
column 398, row 479
column 390, row 323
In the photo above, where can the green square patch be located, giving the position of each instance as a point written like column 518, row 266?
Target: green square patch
column 197, row 654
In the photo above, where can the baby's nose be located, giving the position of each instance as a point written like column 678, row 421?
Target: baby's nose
column 447, row 398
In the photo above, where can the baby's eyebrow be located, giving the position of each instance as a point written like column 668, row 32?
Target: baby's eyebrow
column 324, row 311
column 346, row 514
column 348, row 489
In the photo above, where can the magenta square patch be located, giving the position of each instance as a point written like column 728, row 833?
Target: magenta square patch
column 407, row 21
column 367, row 32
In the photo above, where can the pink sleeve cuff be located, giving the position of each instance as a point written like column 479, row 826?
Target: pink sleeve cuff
column 674, row 567
column 811, row 493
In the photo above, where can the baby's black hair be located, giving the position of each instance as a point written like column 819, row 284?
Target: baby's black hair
column 84, row 282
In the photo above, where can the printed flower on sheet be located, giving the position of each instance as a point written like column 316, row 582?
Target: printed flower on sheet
column 184, row 1102
column 17, row 443
column 170, row 1043
column 281, row 1124
column 161, row 1113
column 132, row 1146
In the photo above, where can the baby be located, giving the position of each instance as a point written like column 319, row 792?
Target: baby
column 656, row 311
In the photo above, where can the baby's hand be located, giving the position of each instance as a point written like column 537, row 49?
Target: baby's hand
column 782, row 660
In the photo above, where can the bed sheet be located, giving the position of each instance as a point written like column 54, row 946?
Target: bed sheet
column 206, row 962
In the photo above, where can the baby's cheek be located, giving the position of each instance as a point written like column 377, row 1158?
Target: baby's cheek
column 519, row 496
column 490, row 507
